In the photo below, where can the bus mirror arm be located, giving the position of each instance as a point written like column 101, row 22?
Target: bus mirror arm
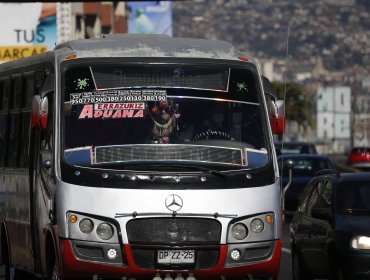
column 289, row 165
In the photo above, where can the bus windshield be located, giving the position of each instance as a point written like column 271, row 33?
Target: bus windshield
column 122, row 115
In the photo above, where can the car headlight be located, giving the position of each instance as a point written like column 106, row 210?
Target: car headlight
column 105, row 231
column 360, row 243
column 239, row 231
column 257, row 226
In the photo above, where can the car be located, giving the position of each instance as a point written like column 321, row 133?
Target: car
column 359, row 157
column 295, row 147
column 330, row 232
column 305, row 167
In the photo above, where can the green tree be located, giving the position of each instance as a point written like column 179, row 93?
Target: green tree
column 298, row 105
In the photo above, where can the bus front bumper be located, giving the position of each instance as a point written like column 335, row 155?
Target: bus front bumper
column 71, row 265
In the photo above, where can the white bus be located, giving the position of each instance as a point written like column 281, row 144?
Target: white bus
column 139, row 157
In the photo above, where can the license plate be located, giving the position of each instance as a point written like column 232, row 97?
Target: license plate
column 176, row 256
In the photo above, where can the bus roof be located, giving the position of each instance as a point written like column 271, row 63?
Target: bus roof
column 137, row 45
column 28, row 61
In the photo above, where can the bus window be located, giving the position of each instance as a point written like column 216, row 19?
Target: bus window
column 16, row 93
column 4, row 98
column 28, row 90
column 27, row 94
column 13, row 147
column 4, row 95
column 39, row 81
column 2, row 92
column 15, row 122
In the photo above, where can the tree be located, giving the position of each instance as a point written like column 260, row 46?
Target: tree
column 298, row 105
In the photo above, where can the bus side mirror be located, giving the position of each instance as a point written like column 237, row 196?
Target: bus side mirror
column 277, row 119
column 276, row 107
column 40, row 110
column 40, row 104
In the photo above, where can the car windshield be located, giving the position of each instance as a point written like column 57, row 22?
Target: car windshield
column 353, row 198
column 295, row 148
column 306, row 166
column 120, row 115
column 360, row 150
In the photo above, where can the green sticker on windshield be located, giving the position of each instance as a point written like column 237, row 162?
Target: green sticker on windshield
column 82, row 83
column 242, row 87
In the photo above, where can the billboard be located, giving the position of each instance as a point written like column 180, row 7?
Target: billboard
column 26, row 29
column 150, row 17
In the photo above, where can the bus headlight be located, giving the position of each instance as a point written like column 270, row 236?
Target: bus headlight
column 239, row 231
column 105, row 231
column 261, row 227
column 86, row 225
column 257, row 226
column 89, row 228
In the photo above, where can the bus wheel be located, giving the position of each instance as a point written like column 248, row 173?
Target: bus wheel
column 298, row 268
column 53, row 271
column 12, row 273
column 52, row 266
column 54, row 275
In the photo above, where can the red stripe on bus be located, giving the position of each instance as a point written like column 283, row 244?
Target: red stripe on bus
column 71, row 266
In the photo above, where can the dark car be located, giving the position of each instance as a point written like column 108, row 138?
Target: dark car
column 305, row 167
column 285, row 148
column 330, row 232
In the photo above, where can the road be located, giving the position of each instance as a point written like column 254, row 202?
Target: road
column 286, row 260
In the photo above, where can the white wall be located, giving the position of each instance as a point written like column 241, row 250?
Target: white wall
column 342, row 99
column 325, row 125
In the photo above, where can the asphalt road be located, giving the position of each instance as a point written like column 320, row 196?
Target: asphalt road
column 286, row 260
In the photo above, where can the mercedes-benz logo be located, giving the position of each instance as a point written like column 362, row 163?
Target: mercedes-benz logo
column 174, row 203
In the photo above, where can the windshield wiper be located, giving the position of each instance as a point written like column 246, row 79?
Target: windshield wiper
column 194, row 167
column 204, row 169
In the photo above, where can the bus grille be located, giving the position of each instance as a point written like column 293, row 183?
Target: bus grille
column 154, row 152
column 181, row 231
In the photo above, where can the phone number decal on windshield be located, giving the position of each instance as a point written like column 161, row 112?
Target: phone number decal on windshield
column 118, row 96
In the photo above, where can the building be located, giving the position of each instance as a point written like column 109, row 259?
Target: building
column 80, row 20
column 334, row 118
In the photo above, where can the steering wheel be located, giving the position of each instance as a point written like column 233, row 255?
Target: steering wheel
column 212, row 134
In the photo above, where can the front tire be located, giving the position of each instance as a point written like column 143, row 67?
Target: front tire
column 336, row 272
column 298, row 267
column 54, row 274
column 12, row 273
